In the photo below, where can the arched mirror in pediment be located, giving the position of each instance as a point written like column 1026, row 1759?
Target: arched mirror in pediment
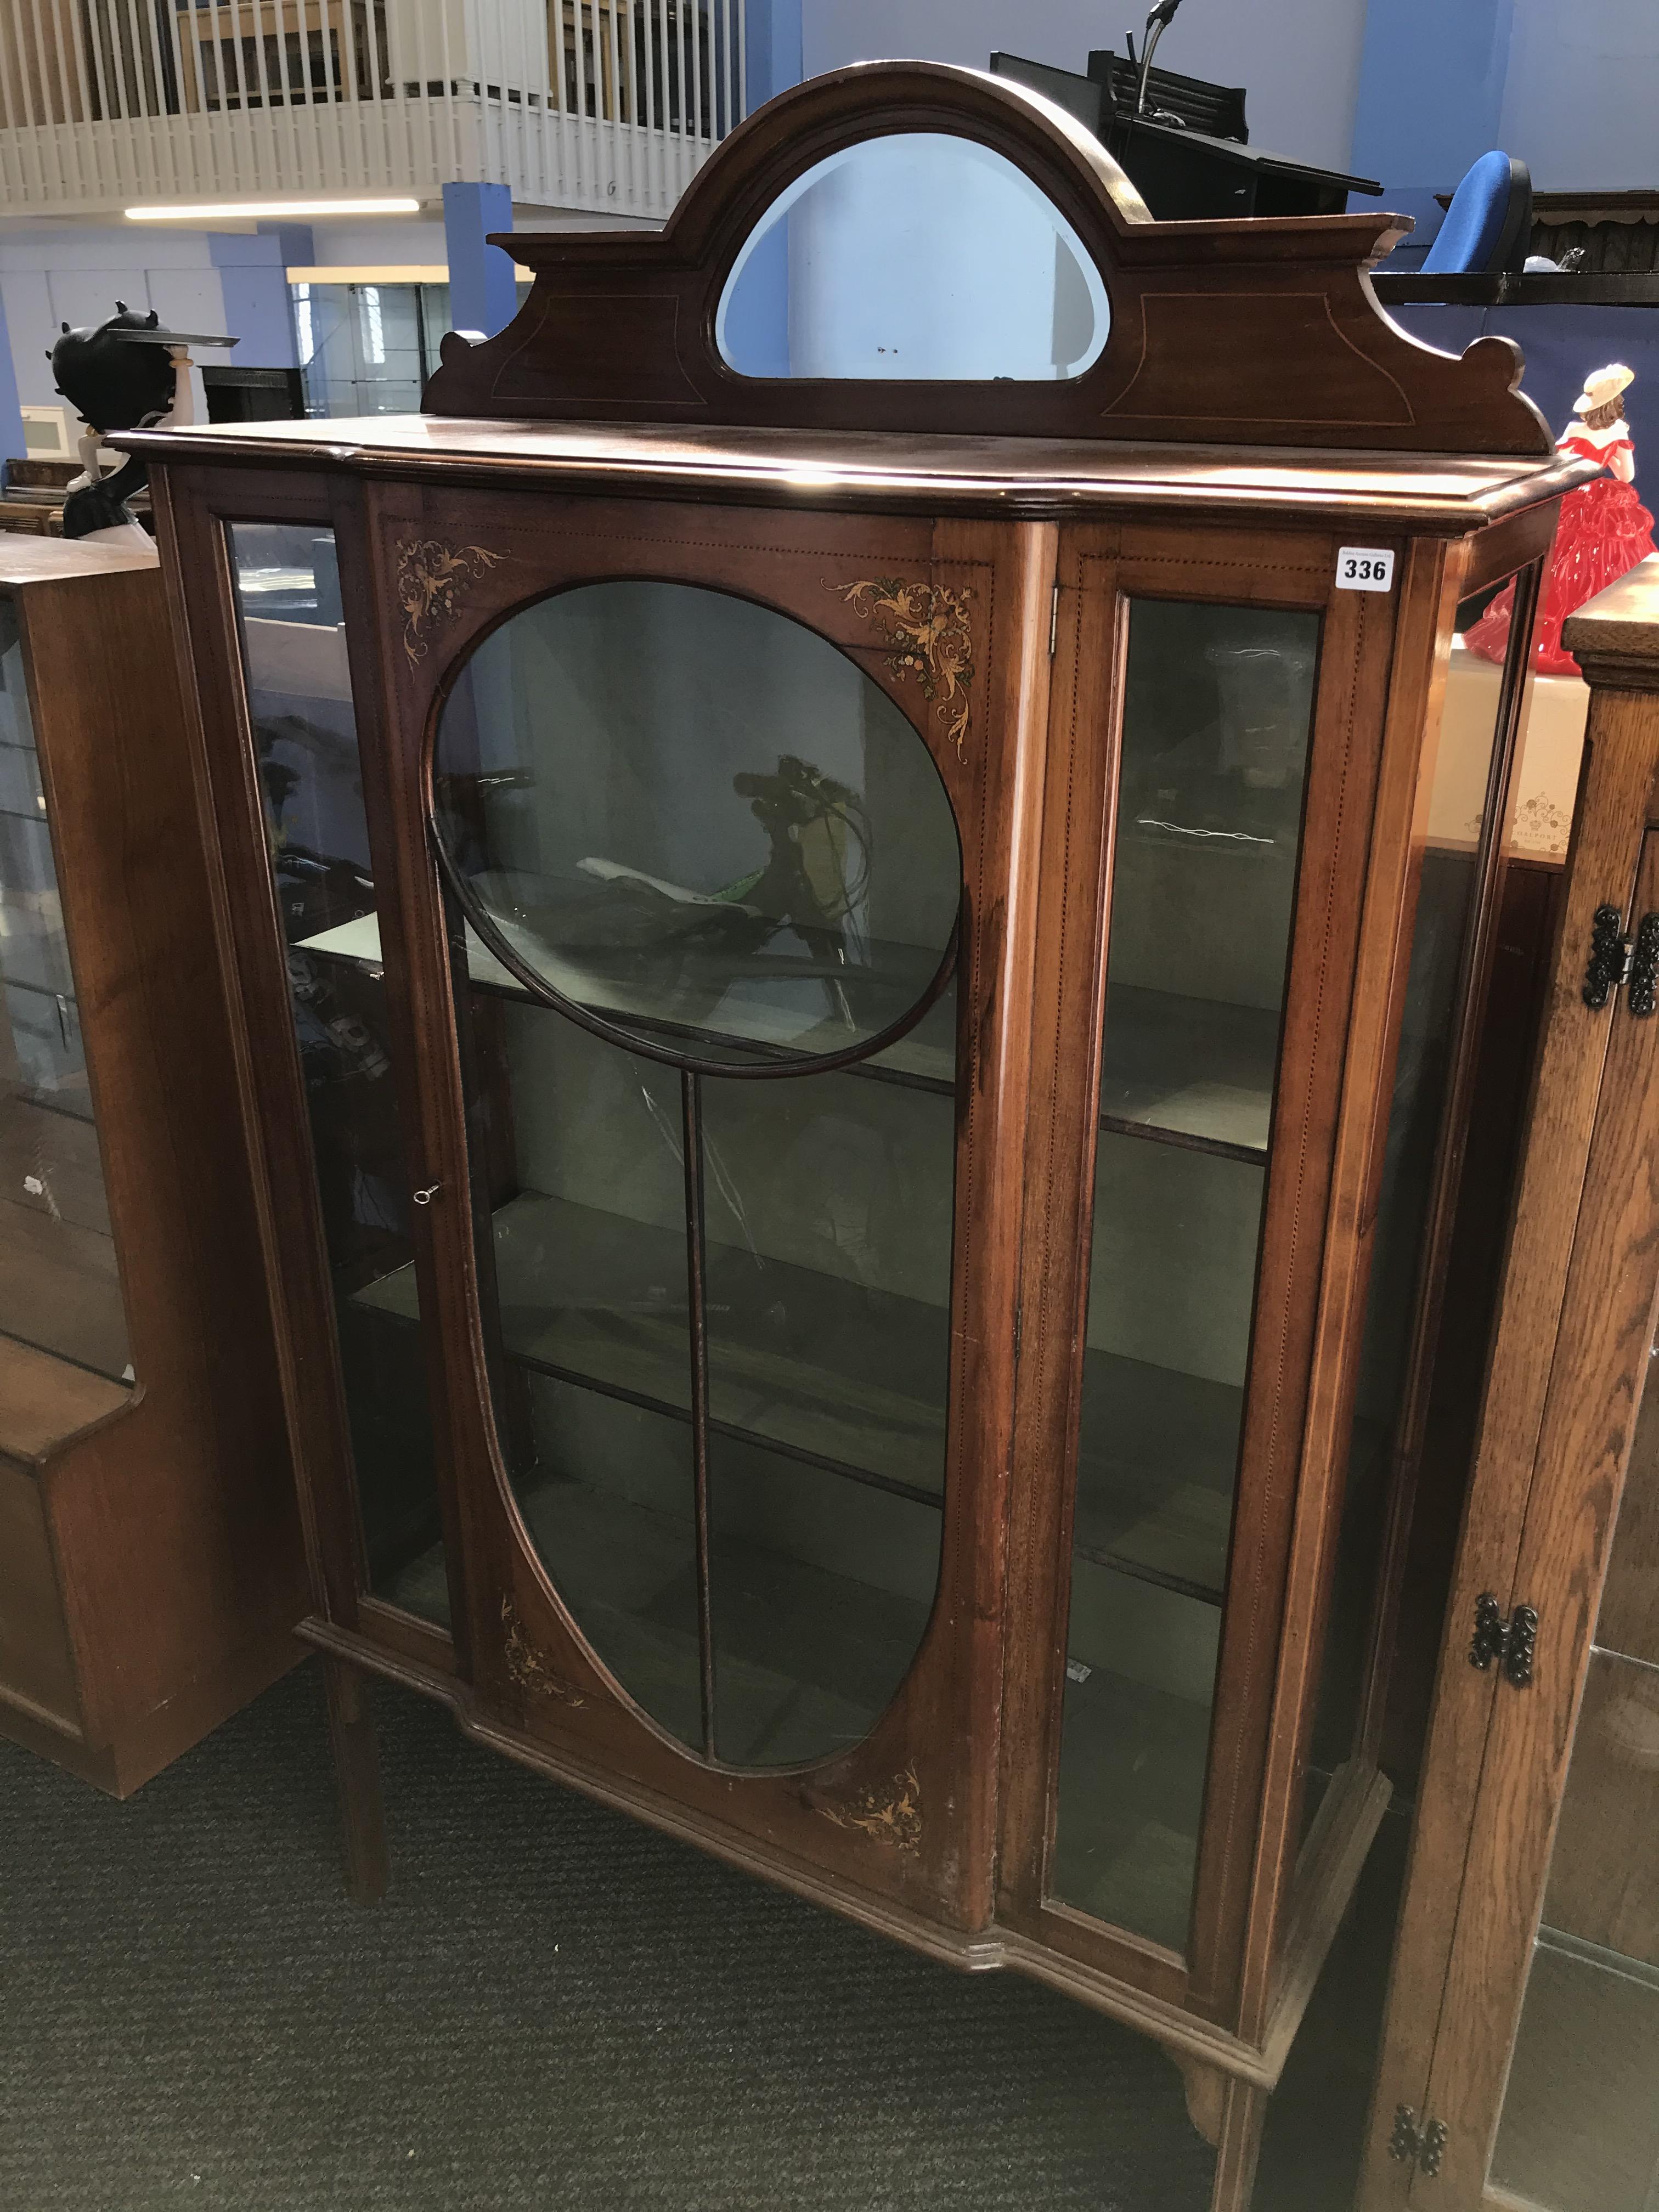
column 917, row 255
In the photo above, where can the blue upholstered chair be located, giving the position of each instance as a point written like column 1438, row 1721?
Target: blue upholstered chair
column 1488, row 224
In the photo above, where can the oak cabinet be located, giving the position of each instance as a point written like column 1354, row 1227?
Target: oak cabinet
column 151, row 1567
column 857, row 996
column 1520, row 2056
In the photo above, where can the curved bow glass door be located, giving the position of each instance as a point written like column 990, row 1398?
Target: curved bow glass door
column 704, row 883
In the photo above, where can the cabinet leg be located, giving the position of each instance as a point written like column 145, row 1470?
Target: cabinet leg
column 357, row 1776
column 1206, row 2095
column 1244, row 2111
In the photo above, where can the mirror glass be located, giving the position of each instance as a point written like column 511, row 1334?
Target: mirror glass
column 917, row 256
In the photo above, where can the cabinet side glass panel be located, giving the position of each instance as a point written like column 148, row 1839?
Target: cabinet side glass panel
column 60, row 1290
column 1217, row 713
column 299, row 692
column 1447, row 914
column 714, row 1305
column 1579, row 2129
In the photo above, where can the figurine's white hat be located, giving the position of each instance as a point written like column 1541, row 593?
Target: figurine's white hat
column 1604, row 383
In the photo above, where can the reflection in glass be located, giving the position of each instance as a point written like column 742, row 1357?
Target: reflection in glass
column 917, row 255
column 677, row 810
column 60, row 1290
column 1217, row 713
column 705, row 1295
column 305, row 735
column 1447, row 911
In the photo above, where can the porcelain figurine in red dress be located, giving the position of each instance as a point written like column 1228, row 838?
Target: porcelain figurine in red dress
column 1604, row 532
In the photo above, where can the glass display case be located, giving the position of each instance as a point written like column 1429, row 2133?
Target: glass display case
column 842, row 1023
column 60, row 1290
column 151, row 1563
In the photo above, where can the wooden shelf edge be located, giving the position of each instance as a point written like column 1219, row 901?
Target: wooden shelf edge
column 978, row 1952
column 68, row 1403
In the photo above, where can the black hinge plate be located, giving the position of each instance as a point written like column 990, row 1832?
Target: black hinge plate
column 1511, row 1643
column 1645, row 967
column 1610, row 955
column 1423, row 2146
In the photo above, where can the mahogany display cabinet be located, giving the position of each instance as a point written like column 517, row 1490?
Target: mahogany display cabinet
column 1520, row 2063
column 151, row 1563
column 857, row 990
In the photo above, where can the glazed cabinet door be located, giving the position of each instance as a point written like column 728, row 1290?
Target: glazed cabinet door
column 1521, row 2057
column 299, row 799
column 715, row 889
column 1241, row 834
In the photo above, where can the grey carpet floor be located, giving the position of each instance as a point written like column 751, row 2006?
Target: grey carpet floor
column 555, row 2007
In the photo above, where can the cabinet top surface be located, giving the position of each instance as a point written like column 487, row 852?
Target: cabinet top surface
column 24, row 560
column 1023, row 476
column 1622, row 620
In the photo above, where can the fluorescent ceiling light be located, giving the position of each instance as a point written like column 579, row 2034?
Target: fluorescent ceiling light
column 270, row 211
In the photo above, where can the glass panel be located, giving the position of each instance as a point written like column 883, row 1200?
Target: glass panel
column 1446, row 914
column 1218, row 712
column 616, row 798
column 305, row 734
column 583, row 770
column 829, row 1211
column 60, row 1290
column 1580, row 2125
column 917, row 255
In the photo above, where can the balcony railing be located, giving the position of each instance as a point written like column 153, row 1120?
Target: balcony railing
column 600, row 104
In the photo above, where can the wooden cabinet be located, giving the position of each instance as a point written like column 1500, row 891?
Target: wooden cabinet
column 1521, row 2061
column 857, row 997
column 151, row 1568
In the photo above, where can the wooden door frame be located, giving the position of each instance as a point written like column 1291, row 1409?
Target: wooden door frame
column 1539, row 1522
column 1372, row 765
column 194, row 510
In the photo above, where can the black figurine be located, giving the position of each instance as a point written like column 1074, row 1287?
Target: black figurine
column 121, row 375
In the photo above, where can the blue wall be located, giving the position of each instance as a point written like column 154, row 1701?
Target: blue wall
column 483, row 290
column 772, row 59
column 1431, row 76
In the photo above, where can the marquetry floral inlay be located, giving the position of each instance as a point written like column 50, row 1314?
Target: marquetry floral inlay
column 890, row 1814
column 531, row 1669
column 429, row 575
column 929, row 627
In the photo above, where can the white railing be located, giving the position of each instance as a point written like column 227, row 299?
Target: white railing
column 602, row 103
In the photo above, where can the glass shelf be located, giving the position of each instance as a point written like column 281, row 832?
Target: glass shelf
column 924, row 1057
column 809, row 1650
column 1135, row 1745
column 1156, row 1465
column 598, row 1299
column 1189, row 1070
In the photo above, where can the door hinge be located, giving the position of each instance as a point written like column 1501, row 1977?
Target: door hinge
column 1423, row 2146
column 1617, row 961
column 1053, row 620
column 1510, row 1641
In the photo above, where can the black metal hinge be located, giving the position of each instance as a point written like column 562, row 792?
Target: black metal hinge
column 1423, row 2146
column 1510, row 1643
column 1617, row 962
